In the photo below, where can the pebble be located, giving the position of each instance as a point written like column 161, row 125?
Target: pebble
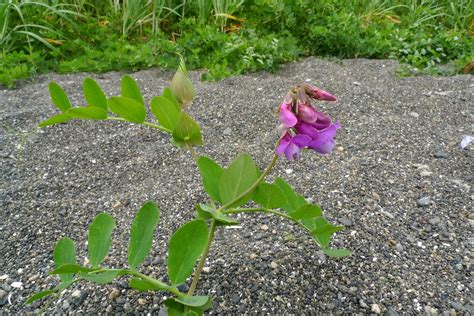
column 258, row 236
column 142, row 301
column 206, row 269
column 3, row 294
column 273, row 265
column 414, row 114
column 114, row 294
column 127, row 307
column 66, row 304
column 17, row 285
column 430, row 310
column 424, row 201
column 345, row 221
column 183, row 287
column 399, row 247
column 288, row 171
column 33, row 278
column 457, row 306
column 376, row 309
column 425, row 173
column 76, row 294
column 363, row 304
column 391, row 312
column 227, row 131
column 3, row 277
column 264, row 227
column 441, row 155
column 235, row 299
column 434, row 220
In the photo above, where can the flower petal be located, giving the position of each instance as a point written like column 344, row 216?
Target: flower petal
column 306, row 113
column 287, row 118
column 292, row 152
column 319, row 94
column 284, row 141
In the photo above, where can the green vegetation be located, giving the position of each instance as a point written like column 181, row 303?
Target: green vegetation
column 229, row 36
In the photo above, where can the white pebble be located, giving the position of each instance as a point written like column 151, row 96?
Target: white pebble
column 17, row 285
column 289, row 171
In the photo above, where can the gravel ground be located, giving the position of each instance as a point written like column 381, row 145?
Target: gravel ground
column 397, row 179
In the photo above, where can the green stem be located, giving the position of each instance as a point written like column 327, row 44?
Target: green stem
column 202, row 261
column 266, row 210
column 253, row 186
column 161, row 128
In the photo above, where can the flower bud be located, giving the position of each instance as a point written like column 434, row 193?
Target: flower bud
column 182, row 87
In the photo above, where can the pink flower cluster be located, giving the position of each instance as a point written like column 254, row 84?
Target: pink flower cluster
column 304, row 126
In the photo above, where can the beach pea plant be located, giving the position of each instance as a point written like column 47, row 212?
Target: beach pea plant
column 240, row 187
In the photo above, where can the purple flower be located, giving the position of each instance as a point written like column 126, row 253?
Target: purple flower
column 291, row 145
column 287, row 117
column 303, row 126
column 318, row 94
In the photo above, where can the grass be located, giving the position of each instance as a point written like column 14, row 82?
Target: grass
column 229, row 37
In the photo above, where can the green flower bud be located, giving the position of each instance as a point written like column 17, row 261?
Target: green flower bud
column 182, row 87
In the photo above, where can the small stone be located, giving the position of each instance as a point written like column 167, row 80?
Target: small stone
column 17, row 285
column 424, row 201
column 114, row 294
column 20, row 271
column 66, row 304
column 425, row 173
column 434, row 220
column 345, row 221
column 457, row 306
column 376, row 309
column 3, row 294
column 264, row 227
column 183, row 287
column 109, row 309
column 33, row 278
column 76, row 294
column 414, row 114
column 206, row 269
column 391, row 312
column 3, row 277
column 273, row 265
column 127, row 307
column 117, row 204
column 242, row 308
column 142, row 301
column 430, row 310
column 235, row 299
column 258, row 236
column 363, row 304
column 399, row 247
column 331, row 306
column 441, row 155
column 227, row 131
column 356, row 83
column 288, row 171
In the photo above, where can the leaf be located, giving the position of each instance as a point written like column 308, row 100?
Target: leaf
column 194, row 301
column 174, row 308
column 102, row 277
column 167, row 93
column 131, row 90
column 293, row 200
column 212, row 212
column 127, row 108
column 269, row 196
column 39, row 295
column 64, row 253
column 307, row 211
column 93, row 94
column 165, row 111
column 59, row 97
column 323, row 230
column 88, row 113
column 71, row 268
column 211, row 174
column 186, row 246
column 144, row 285
column 141, row 233
column 236, row 179
column 56, row 119
column 187, row 130
column 337, row 252
column 100, row 237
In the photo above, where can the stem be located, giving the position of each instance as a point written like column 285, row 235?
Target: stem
column 164, row 129
column 193, row 152
column 169, row 288
column 253, row 186
column 265, row 210
column 202, row 261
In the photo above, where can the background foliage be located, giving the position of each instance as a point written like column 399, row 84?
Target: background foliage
column 229, row 36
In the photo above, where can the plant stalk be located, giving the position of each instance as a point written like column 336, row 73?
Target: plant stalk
column 202, row 261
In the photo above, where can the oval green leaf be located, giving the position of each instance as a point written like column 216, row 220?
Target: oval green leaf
column 64, row 253
column 93, row 94
column 186, row 246
column 237, row 179
column 71, row 268
column 56, row 119
column 337, row 252
column 39, row 296
column 59, row 97
column 211, row 212
column 102, row 277
column 100, row 238
column 211, row 174
column 127, row 108
column 165, row 111
column 131, row 90
column 141, row 233
column 187, row 130
column 194, row 301
column 323, row 231
column 293, row 200
column 88, row 113
column 307, row 211
column 269, row 196
column 167, row 93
